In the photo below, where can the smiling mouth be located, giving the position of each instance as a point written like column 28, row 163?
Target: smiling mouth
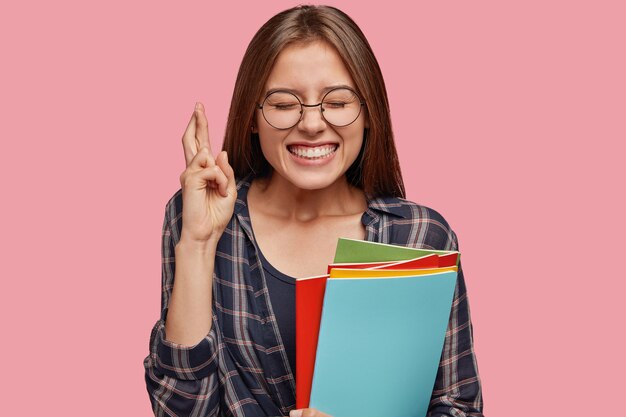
column 313, row 152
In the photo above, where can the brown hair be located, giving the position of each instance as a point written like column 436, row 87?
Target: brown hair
column 376, row 170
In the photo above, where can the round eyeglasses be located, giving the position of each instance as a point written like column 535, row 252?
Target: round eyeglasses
column 339, row 107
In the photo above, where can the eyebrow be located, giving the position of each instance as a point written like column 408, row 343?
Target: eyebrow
column 298, row 92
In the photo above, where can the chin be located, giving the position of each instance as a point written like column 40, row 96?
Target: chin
column 314, row 182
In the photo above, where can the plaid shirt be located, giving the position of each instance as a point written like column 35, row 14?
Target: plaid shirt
column 241, row 368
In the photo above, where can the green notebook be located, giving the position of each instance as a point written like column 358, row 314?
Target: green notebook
column 355, row 251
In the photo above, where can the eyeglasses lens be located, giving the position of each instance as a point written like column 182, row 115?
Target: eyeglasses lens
column 341, row 107
column 282, row 110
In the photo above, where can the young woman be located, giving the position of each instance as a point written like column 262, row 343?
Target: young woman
column 308, row 157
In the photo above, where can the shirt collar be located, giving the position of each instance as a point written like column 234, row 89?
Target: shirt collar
column 243, row 185
column 389, row 205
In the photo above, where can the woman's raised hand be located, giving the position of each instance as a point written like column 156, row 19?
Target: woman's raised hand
column 208, row 184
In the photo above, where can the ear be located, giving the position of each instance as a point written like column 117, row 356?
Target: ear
column 254, row 127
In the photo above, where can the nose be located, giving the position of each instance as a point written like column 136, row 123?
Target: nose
column 313, row 122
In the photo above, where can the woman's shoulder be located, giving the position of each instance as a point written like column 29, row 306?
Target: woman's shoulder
column 415, row 225
column 175, row 203
column 173, row 221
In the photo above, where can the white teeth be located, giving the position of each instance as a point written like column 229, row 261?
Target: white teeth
column 317, row 152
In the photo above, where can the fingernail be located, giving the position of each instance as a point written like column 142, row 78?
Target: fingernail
column 198, row 105
column 295, row 413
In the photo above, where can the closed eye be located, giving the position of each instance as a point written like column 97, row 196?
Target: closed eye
column 335, row 104
column 285, row 106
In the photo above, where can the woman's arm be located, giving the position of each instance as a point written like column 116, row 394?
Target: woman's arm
column 181, row 370
column 181, row 378
column 457, row 390
column 189, row 312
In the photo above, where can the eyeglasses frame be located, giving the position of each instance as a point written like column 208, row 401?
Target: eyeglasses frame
column 302, row 106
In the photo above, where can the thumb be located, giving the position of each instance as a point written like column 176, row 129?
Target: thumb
column 222, row 162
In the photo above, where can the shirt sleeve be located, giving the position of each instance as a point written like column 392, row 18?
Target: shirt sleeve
column 181, row 380
column 457, row 391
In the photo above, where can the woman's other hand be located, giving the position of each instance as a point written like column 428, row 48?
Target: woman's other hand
column 208, row 184
column 307, row 412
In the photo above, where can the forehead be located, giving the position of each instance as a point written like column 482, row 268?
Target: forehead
column 308, row 69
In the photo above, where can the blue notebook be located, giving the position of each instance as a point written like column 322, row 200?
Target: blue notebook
column 380, row 344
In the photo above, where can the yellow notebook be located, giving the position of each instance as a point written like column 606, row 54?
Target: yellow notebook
column 384, row 273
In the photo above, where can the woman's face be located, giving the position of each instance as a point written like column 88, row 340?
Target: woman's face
column 313, row 154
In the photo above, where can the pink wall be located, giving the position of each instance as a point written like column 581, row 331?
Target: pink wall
column 526, row 102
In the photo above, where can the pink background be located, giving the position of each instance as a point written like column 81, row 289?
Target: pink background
column 526, row 101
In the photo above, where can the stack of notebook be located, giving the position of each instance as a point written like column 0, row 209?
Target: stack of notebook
column 369, row 335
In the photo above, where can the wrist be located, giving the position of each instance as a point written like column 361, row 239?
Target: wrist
column 194, row 245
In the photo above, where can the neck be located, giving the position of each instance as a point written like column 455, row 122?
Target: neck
column 281, row 198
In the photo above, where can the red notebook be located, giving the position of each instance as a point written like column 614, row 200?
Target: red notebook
column 450, row 259
column 309, row 301
column 428, row 261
